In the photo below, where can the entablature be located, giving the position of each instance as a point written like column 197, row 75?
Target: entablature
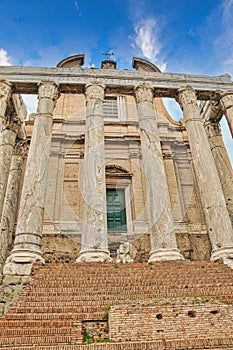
column 73, row 80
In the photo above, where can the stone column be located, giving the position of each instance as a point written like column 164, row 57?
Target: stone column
column 174, row 188
column 222, row 162
column 27, row 246
column 94, row 244
column 226, row 101
column 11, row 199
column 163, row 239
column 213, row 201
column 7, row 139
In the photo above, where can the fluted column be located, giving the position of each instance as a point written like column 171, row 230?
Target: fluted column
column 11, row 199
column 222, row 162
column 163, row 240
column 226, row 100
column 94, row 243
column 7, row 139
column 213, row 201
column 27, row 245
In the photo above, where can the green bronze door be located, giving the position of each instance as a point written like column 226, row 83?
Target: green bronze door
column 116, row 214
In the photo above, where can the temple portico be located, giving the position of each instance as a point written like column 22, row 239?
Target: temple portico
column 111, row 181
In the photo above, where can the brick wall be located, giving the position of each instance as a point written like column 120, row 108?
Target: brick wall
column 170, row 319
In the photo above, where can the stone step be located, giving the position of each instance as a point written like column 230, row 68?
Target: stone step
column 194, row 344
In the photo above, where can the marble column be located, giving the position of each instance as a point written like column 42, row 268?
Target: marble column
column 222, row 162
column 226, row 101
column 7, row 139
column 11, row 199
column 161, row 225
column 212, row 198
column 94, row 242
column 27, row 245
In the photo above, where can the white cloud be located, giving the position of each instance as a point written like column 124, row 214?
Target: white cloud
column 5, row 59
column 76, row 4
column 227, row 7
column 147, row 40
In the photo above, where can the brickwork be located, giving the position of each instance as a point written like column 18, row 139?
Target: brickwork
column 53, row 306
column 170, row 319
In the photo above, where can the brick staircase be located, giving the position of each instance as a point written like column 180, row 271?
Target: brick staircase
column 50, row 311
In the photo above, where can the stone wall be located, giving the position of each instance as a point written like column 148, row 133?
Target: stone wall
column 59, row 248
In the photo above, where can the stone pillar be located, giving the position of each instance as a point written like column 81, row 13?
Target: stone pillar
column 27, row 246
column 213, row 201
column 7, row 139
column 94, row 243
column 173, row 185
column 163, row 239
column 11, row 199
column 222, row 162
column 226, row 101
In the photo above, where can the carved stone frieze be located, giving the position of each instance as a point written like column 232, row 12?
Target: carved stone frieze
column 94, row 91
column 144, row 93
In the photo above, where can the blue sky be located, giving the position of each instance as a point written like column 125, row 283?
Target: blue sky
column 191, row 36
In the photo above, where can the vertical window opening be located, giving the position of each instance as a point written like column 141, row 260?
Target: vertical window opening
column 116, row 213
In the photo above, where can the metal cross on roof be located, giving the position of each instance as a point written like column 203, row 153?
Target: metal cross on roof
column 108, row 54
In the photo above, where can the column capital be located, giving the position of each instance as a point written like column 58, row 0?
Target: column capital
column 187, row 96
column 226, row 99
column 144, row 93
column 5, row 89
column 48, row 89
column 213, row 128
column 95, row 91
column 21, row 148
column 12, row 123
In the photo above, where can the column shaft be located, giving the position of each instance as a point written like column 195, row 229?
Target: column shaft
column 163, row 240
column 11, row 199
column 7, row 140
column 227, row 105
column 213, row 201
column 94, row 245
column 222, row 162
column 27, row 245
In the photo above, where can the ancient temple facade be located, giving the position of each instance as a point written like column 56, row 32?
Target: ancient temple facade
column 103, row 163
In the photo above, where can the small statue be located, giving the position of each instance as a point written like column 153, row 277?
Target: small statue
column 125, row 253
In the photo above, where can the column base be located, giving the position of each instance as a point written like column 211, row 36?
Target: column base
column 94, row 255
column 226, row 254
column 164, row 255
column 21, row 263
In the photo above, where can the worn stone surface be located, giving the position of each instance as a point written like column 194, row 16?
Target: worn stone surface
column 227, row 104
column 126, row 253
column 211, row 194
column 29, row 226
column 222, row 162
column 59, row 248
column 10, row 127
column 10, row 289
column 163, row 240
column 11, row 200
column 94, row 218
column 166, row 83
